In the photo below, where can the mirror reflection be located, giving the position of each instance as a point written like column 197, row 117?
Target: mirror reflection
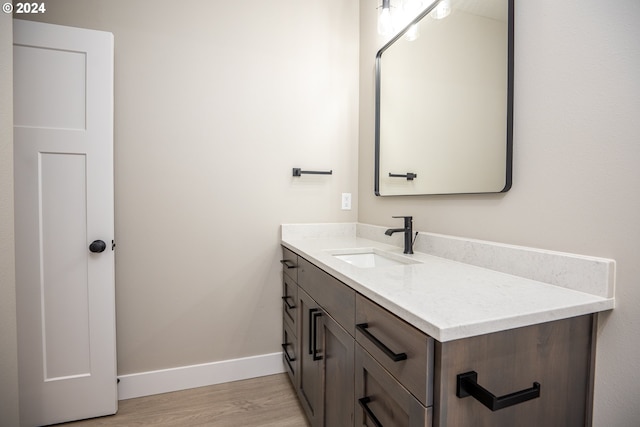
column 444, row 102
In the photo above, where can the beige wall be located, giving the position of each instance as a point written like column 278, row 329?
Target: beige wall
column 576, row 183
column 8, row 342
column 215, row 103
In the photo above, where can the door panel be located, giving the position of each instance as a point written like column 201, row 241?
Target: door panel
column 63, row 157
column 65, row 81
column 309, row 386
column 65, row 308
column 338, row 387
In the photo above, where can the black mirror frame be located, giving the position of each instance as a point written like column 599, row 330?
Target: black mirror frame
column 510, row 82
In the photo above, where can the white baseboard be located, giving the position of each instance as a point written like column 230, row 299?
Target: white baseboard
column 185, row 377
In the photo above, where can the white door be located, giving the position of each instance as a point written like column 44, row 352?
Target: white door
column 63, row 149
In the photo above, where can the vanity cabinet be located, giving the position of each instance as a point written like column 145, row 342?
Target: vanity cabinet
column 353, row 363
column 324, row 354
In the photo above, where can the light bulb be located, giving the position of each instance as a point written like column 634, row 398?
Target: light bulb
column 385, row 24
column 442, row 10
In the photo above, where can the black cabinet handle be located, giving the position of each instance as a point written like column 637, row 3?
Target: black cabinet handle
column 364, row 403
column 311, row 311
column 396, row 357
column 286, row 353
column 467, row 385
column 286, row 299
column 312, row 329
column 314, row 319
column 287, row 263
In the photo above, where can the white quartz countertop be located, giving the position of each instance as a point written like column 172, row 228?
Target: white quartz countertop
column 446, row 299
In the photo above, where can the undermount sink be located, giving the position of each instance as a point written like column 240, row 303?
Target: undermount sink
column 370, row 258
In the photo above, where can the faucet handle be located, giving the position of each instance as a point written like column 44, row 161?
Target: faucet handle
column 401, row 216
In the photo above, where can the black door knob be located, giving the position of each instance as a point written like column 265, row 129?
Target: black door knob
column 97, row 246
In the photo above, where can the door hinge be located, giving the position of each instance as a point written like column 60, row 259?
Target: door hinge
column 113, row 245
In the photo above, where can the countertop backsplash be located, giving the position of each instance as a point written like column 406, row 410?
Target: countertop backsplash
column 582, row 273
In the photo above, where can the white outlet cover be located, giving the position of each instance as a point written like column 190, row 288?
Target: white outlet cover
column 346, row 201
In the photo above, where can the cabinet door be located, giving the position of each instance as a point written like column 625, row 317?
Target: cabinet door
column 338, row 383
column 309, row 366
column 382, row 400
column 326, row 383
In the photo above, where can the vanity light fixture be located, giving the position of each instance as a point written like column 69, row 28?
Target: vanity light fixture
column 385, row 21
column 442, row 10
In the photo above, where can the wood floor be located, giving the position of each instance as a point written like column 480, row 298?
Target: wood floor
column 266, row 401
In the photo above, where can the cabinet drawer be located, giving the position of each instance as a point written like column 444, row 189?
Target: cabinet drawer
column 403, row 350
column 289, row 352
column 289, row 303
column 290, row 263
column 331, row 294
column 382, row 400
column 557, row 355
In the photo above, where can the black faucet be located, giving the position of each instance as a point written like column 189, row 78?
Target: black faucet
column 408, row 232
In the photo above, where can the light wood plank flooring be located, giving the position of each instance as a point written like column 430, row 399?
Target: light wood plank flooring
column 266, row 401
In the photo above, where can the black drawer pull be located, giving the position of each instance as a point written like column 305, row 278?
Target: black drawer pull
column 286, row 301
column 286, row 353
column 314, row 320
column 288, row 263
column 467, row 385
column 396, row 357
column 363, row 402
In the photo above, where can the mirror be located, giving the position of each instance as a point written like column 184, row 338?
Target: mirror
column 444, row 103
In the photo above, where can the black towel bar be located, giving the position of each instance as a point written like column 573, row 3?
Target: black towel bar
column 409, row 175
column 467, row 385
column 299, row 172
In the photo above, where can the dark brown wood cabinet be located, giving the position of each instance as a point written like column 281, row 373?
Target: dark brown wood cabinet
column 324, row 380
column 353, row 363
